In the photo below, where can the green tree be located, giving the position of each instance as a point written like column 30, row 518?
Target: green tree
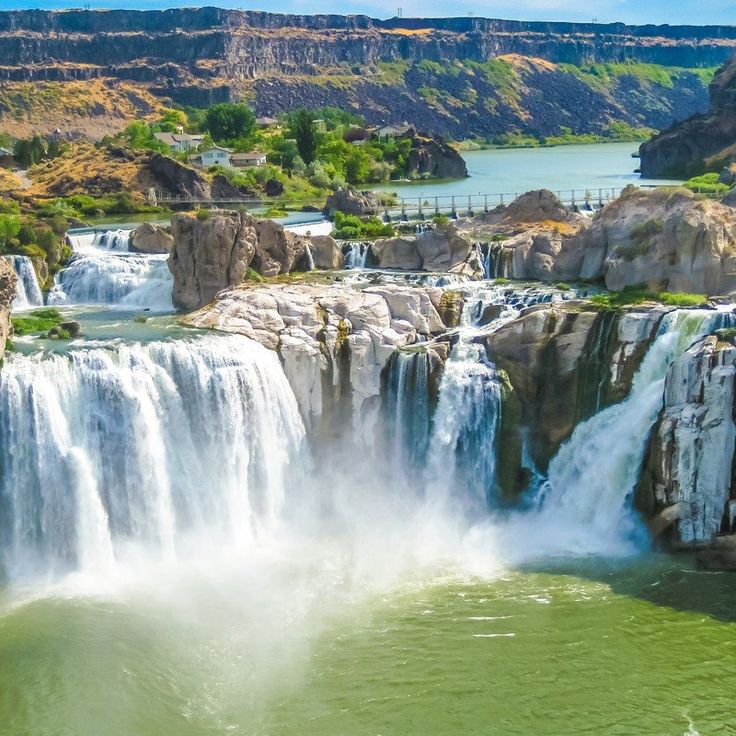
column 304, row 131
column 228, row 121
column 9, row 229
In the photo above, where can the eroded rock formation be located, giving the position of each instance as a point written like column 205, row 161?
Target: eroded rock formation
column 149, row 238
column 7, row 293
column 352, row 202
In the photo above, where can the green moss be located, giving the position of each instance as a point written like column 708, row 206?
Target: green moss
column 727, row 334
column 37, row 322
column 633, row 295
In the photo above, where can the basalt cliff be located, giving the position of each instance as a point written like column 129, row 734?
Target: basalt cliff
column 452, row 76
column 705, row 142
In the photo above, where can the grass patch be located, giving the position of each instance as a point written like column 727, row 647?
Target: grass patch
column 706, row 184
column 633, row 295
column 38, row 321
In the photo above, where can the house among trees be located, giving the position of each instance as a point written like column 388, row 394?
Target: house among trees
column 180, row 142
column 393, row 131
column 266, row 122
column 245, row 160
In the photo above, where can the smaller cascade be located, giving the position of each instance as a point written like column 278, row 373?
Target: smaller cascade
column 592, row 477
column 356, row 254
column 497, row 261
column 309, row 257
column 407, row 406
column 27, row 291
column 103, row 271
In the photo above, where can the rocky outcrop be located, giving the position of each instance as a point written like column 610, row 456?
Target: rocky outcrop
column 149, row 238
column 352, row 202
column 705, row 142
column 214, row 253
column 440, row 249
column 664, row 239
column 434, row 159
column 563, row 363
column 326, row 252
column 177, row 178
column 334, row 340
column 7, row 293
column 688, row 484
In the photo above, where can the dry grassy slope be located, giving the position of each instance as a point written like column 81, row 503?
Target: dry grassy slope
column 90, row 170
column 91, row 108
column 8, row 182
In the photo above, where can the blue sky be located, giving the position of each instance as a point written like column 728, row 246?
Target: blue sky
column 630, row 11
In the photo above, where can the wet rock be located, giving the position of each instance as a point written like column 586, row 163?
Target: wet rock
column 7, row 293
column 720, row 555
column 326, row 252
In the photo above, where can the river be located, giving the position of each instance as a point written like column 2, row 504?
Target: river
column 517, row 170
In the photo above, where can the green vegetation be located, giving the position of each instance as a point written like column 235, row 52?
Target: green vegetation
column 604, row 76
column 229, row 121
column 26, row 233
column 350, row 227
column 728, row 334
column 440, row 220
column 203, row 214
column 633, row 295
column 36, row 322
column 707, row 184
column 304, row 132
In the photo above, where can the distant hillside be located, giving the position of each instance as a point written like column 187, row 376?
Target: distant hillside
column 460, row 77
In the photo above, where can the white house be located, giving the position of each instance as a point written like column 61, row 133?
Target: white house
column 180, row 142
column 245, row 160
column 213, row 156
column 392, row 131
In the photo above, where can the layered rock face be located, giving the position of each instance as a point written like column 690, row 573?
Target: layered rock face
column 688, row 484
column 212, row 254
column 701, row 143
column 334, row 340
column 664, row 239
column 429, row 157
column 564, row 362
column 206, row 55
column 7, row 293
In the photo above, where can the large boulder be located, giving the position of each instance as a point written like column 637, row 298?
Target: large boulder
column 209, row 255
column 400, row 253
column 7, row 293
column 434, row 159
column 326, row 252
column 352, row 202
column 215, row 252
column 149, row 238
column 177, row 178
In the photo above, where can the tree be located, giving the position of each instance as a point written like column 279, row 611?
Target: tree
column 9, row 228
column 228, row 121
column 304, row 132
column 29, row 152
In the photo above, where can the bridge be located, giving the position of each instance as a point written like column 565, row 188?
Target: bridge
column 417, row 208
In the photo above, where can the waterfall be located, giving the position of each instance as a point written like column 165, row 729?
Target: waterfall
column 104, row 450
column 310, row 258
column 407, row 408
column 497, row 261
column 102, row 271
column 27, row 291
column 592, row 477
column 356, row 254
column 462, row 448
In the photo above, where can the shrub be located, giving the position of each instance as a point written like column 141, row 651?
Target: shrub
column 350, row 227
column 440, row 219
column 203, row 215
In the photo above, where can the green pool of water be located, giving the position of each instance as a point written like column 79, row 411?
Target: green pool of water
column 645, row 647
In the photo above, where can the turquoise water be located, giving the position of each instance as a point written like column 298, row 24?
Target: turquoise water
column 517, row 170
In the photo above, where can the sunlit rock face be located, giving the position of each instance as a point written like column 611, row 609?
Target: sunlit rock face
column 332, row 339
column 688, row 481
column 8, row 281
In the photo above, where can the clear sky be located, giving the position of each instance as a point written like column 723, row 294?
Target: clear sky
column 630, row 11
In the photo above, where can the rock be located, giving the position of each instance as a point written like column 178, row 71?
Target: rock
column 326, row 252
column 328, row 336
column 7, row 293
column 400, row 253
column 352, row 202
column 65, row 331
column 720, row 555
column 691, row 450
column 434, row 159
column 214, row 253
column 566, row 361
column 178, row 178
column 274, row 188
column 701, row 143
column 222, row 188
column 149, row 238
column 664, row 239
column 209, row 255
column 728, row 175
